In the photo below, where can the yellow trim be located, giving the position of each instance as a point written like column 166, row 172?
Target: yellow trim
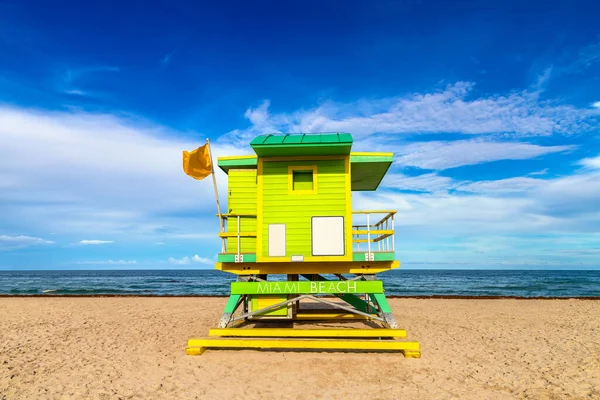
column 228, row 215
column 410, row 347
column 287, row 259
column 241, row 169
column 229, row 158
column 377, row 239
column 374, row 232
column 259, row 211
column 302, row 158
column 373, row 154
column 235, row 234
column 291, row 332
column 348, row 224
column 292, row 168
column 287, row 267
column 374, row 212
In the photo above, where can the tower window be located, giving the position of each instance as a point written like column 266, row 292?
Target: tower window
column 303, row 180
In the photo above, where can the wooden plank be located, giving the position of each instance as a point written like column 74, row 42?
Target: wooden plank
column 373, row 239
column 258, row 268
column 305, row 333
column 321, row 344
column 374, row 232
column 235, row 234
column 230, row 215
column 384, row 236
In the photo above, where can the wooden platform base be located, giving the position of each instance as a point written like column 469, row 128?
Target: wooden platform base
column 284, row 304
column 409, row 349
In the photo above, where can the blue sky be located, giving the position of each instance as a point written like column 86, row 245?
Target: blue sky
column 492, row 110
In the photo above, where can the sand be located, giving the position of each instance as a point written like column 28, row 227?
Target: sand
column 121, row 348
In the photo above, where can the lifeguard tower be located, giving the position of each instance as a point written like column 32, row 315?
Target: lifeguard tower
column 301, row 254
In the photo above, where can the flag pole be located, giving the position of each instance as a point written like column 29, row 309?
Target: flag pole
column 212, row 166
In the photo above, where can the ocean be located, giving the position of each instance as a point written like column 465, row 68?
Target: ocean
column 527, row 283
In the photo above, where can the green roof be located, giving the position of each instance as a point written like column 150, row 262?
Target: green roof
column 237, row 162
column 366, row 169
column 302, row 144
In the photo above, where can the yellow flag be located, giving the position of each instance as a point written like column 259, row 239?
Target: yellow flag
column 197, row 163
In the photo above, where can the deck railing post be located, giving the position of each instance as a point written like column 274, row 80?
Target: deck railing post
column 386, row 244
column 379, row 244
column 238, row 239
column 393, row 234
column 369, row 236
column 224, row 239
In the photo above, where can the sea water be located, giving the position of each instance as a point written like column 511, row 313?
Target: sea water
column 527, row 283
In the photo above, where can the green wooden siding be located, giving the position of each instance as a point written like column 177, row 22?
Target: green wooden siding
column 241, row 199
column 296, row 210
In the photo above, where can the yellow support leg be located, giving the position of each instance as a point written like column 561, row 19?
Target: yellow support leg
column 195, row 351
column 307, row 333
column 412, row 354
column 411, row 348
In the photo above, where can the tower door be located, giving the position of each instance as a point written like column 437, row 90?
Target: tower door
column 327, row 236
column 277, row 240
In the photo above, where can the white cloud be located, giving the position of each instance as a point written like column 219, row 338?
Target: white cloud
column 540, row 172
column 424, row 182
column 94, row 241
column 108, row 262
column 21, row 241
column 596, row 104
column 593, row 162
column 573, row 198
column 69, row 81
column 99, row 174
column 96, row 175
column 454, row 109
column 518, row 205
column 76, row 92
column 587, row 57
column 518, row 185
column 261, row 122
column 440, row 155
column 543, row 77
column 189, row 260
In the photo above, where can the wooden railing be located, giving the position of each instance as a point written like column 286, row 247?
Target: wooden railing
column 378, row 236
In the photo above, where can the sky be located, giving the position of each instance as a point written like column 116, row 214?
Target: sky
column 491, row 108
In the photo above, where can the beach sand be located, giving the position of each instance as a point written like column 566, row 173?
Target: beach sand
column 119, row 348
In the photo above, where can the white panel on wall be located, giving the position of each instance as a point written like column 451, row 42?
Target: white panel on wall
column 277, row 240
column 328, row 236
